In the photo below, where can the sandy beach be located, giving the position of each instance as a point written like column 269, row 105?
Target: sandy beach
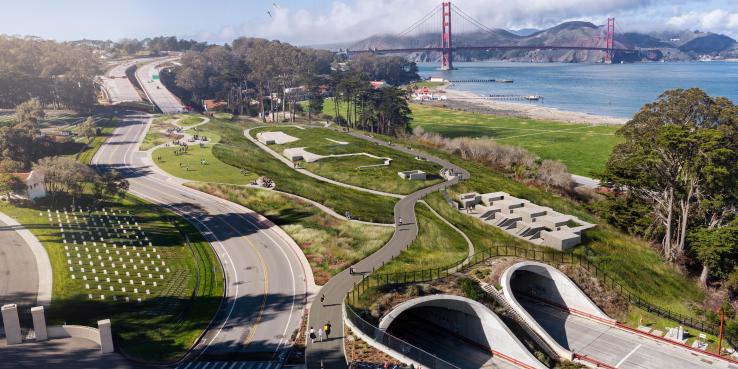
column 468, row 101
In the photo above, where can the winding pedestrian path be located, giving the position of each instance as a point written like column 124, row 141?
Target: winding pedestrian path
column 328, row 354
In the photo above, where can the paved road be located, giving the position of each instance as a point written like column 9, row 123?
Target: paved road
column 267, row 276
column 67, row 353
column 330, row 353
column 614, row 346
column 155, row 90
column 118, row 86
column 18, row 271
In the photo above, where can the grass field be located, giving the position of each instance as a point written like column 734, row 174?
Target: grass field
column 583, row 148
column 188, row 166
column 629, row 260
column 329, row 244
column 437, row 245
column 155, row 137
column 190, row 120
column 237, row 151
column 346, row 169
column 166, row 323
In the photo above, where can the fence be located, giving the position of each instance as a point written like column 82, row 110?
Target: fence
column 414, row 353
column 427, row 275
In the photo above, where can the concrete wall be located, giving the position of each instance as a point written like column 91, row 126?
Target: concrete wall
column 468, row 314
column 548, row 283
column 76, row 331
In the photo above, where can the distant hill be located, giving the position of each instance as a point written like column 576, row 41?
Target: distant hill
column 525, row 31
column 709, row 44
column 667, row 45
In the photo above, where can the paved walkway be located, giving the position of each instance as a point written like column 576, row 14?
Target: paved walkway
column 25, row 269
column 329, row 353
column 308, row 173
column 68, row 353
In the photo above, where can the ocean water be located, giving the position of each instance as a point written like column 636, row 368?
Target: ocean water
column 617, row 90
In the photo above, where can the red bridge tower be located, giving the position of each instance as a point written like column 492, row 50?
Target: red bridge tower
column 610, row 40
column 447, row 59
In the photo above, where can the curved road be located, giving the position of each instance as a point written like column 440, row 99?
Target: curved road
column 118, row 86
column 155, row 91
column 267, row 280
column 329, row 353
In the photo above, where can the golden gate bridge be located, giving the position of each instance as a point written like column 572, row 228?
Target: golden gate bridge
column 448, row 16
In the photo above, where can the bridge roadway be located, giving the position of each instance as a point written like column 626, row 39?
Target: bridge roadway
column 329, row 353
column 266, row 278
column 118, row 86
column 155, row 90
column 614, row 346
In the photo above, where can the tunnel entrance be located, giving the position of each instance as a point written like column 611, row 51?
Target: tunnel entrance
column 540, row 297
column 452, row 335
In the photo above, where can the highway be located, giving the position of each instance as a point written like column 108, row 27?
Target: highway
column 155, row 91
column 118, row 86
column 267, row 277
column 614, row 346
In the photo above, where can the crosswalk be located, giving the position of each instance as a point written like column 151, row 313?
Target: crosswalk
column 231, row 365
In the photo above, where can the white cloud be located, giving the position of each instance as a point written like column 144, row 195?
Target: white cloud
column 346, row 20
column 721, row 21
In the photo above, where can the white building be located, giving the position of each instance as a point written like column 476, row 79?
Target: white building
column 34, row 182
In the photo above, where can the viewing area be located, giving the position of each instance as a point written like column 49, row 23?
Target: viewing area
column 523, row 219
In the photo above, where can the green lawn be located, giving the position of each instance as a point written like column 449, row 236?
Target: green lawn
column 583, row 148
column 189, row 166
column 187, row 120
column 436, row 246
column 168, row 321
column 330, row 245
column 346, row 169
column 155, row 137
column 239, row 152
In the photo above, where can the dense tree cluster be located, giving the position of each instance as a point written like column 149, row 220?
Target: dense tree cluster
column 22, row 143
column 278, row 75
column 395, row 70
column 675, row 180
column 60, row 75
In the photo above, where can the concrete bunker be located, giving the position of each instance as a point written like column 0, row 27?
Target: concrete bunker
column 446, row 324
column 532, row 287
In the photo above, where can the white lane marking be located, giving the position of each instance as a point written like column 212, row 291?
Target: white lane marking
column 627, row 356
column 188, row 365
column 232, row 365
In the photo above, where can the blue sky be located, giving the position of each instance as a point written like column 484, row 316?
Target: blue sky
column 326, row 21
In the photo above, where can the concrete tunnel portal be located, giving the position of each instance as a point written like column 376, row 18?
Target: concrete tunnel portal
column 461, row 331
column 544, row 297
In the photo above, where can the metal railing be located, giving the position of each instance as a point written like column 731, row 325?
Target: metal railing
column 546, row 256
column 412, row 352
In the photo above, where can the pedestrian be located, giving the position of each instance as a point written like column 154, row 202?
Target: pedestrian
column 399, row 221
column 327, row 329
column 312, row 335
column 322, row 300
column 351, row 270
column 320, row 335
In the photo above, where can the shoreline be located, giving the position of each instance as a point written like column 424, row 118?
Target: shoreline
column 469, row 101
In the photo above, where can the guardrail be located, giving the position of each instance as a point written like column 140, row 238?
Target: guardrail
column 546, row 256
column 412, row 352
